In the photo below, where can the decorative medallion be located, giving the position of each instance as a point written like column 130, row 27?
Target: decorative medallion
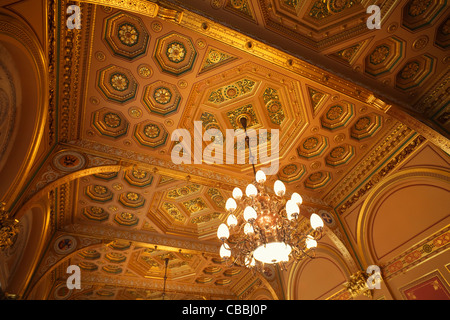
column 131, row 199
column 384, row 56
column 150, row 134
column 291, row 172
column 173, row 211
column 312, row 146
column 145, row 71
column 115, row 257
column 366, row 126
column 98, row 193
column 215, row 58
column 161, row 98
column 183, row 191
column 317, row 180
column 117, row 84
column 216, row 197
column 317, row 98
column 126, row 35
column 110, row 123
column 65, row 244
column 273, row 106
column 340, row 155
column 95, row 213
column 237, row 89
column 68, row 161
column 327, row 218
column 414, row 72
column 89, row 254
column 138, row 177
column 420, row 13
column 175, row 54
column 337, row 115
column 246, row 111
column 195, row 205
column 126, row 219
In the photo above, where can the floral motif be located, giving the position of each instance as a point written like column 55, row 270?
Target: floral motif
column 362, row 123
column 119, row 82
column 379, row 54
column 417, row 7
column 162, row 95
column 310, row 143
column 176, row 52
column 139, row 174
column 112, row 120
column 151, row 131
column 132, row 196
column 316, row 176
column 410, row 70
column 128, row 34
column 337, row 152
column 100, row 189
column 334, row 112
column 289, row 169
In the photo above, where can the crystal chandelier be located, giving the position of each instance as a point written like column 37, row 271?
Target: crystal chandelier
column 269, row 231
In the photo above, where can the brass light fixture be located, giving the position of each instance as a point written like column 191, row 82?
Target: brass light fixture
column 269, row 231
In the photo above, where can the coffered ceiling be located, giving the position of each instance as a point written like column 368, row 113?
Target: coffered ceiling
column 132, row 75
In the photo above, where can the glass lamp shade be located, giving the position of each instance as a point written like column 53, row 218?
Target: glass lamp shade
column 279, row 188
column 291, row 209
column 315, row 221
column 232, row 220
column 223, row 232
column 251, row 190
column 230, row 205
column 224, row 252
column 237, row 193
column 297, row 198
column 310, row 242
column 249, row 213
column 248, row 229
column 272, row 252
column 260, row 176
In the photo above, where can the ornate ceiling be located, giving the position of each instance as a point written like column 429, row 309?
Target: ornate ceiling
column 340, row 94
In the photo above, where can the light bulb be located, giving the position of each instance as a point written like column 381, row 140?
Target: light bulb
column 291, row 209
column 232, row 220
column 310, row 242
column 237, row 193
column 224, row 252
column 223, row 232
column 250, row 261
column 315, row 221
column 297, row 198
column 230, row 205
column 249, row 213
column 248, row 229
column 279, row 188
column 251, row 190
column 260, row 176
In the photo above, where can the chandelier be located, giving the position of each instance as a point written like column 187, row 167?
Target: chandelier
column 269, row 231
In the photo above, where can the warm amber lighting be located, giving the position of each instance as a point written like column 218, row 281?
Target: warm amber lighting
column 266, row 227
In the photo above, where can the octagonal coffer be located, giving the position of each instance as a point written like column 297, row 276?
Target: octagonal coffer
column 161, row 98
column 126, row 35
column 175, row 54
